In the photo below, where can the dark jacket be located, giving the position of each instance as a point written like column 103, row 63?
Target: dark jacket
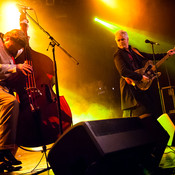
column 130, row 96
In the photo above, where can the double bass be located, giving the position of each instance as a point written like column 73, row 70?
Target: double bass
column 38, row 122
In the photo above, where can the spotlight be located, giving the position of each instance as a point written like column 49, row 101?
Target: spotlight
column 10, row 17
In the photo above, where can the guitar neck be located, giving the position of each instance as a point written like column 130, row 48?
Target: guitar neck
column 160, row 62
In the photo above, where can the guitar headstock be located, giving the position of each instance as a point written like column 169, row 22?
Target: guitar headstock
column 171, row 52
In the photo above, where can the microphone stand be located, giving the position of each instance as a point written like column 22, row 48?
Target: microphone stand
column 158, row 83
column 53, row 43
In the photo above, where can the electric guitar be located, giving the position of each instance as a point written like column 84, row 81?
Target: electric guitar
column 149, row 71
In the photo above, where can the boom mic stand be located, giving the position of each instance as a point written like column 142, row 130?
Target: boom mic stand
column 52, row 43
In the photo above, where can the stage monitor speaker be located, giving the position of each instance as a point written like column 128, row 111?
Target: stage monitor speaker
column 169, row 126
column 114, row 146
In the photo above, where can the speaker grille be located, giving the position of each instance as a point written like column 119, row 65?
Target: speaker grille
column 112, row 126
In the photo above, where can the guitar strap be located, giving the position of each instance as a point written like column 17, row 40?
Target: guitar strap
column 137, row 52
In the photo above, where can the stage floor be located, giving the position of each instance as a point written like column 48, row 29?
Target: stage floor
column 32, row 159
column 29, row 161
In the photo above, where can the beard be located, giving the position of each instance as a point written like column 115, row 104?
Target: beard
column 11, row 51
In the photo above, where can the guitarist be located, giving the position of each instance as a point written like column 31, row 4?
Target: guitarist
column 134, row 102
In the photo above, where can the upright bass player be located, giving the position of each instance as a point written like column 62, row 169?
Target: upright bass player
column 10, row 43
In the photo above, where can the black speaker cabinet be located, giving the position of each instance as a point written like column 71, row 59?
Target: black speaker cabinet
column 105, row 147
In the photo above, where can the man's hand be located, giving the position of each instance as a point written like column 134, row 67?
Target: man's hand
column 171, row 52
column 145, row 79
column 24, row 68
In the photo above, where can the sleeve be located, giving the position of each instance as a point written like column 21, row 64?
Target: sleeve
column 150, row 56
column 124, row 67
column 6, row 70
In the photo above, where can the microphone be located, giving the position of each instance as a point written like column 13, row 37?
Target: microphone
column 23, row 7
column 151, row 42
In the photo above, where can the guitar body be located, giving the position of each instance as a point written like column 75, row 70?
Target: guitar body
column 148, row 71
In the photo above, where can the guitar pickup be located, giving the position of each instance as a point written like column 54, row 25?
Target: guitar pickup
column 148, row 68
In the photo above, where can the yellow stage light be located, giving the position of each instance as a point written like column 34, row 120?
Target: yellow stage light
column 137, row 37
column 110, row 3
column 113, row 28
column 11, row 16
